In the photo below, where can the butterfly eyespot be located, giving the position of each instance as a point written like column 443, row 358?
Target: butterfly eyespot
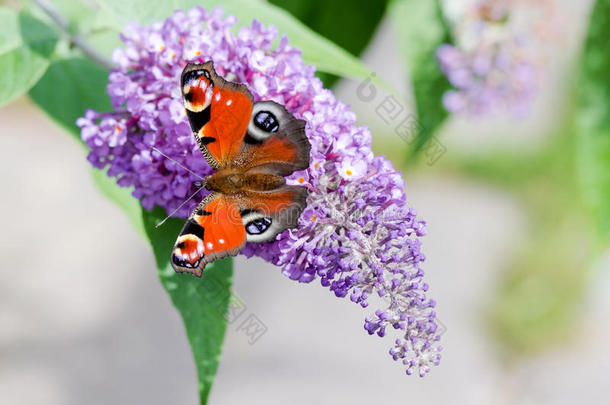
column 265, row 121
column 194, row 75
column 259, row 228
column 184, row 262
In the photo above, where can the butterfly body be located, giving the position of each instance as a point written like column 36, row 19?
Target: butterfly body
column 233, row 181
column 252, row 147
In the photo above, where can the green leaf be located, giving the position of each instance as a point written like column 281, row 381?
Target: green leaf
column 80, row 14
column 317, row 50
column 353, row 31
column 68, row 88
column 105, row 41
column 85, row 19
column 421, row 29
column 594, row 155
column 76, row 13
column 202, row 303
column 96, row 26
column 26, row 44
column 593, row 122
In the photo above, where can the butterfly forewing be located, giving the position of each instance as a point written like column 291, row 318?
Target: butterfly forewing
column 275, row 139
column 219, row 112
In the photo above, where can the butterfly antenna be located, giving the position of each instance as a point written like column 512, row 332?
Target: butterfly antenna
column 181, row 205
column 176, row 162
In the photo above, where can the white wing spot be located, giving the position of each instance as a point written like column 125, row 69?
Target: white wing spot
column 209, row 245
column 229, row 102
column 221, row 241
column 217, row 96
column 208, row 95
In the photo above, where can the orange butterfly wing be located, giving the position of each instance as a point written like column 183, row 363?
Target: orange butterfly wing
column 214, row 230
column 219, row 112
column 267, row 213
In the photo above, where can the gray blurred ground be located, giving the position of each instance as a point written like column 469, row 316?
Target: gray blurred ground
column 84, row 320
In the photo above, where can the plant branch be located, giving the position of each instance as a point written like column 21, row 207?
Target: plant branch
column 76, row 40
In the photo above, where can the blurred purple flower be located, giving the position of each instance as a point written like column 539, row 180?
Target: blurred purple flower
column 495, row 73
column 357, row 234
column 487, row 80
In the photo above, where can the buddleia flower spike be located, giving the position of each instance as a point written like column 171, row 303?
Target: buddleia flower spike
column 357, row 235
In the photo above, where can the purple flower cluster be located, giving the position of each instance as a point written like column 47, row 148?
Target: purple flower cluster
column 492, row 73
column 488, row 79
column 357, row 234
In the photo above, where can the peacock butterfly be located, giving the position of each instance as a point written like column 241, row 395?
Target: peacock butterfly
column 252, row 147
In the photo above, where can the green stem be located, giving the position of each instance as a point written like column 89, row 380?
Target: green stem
column 76, row 40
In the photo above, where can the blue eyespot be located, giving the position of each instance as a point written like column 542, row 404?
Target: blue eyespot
column 266, row 121
column 258, row 226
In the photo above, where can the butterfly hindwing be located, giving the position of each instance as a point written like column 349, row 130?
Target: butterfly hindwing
column 265, row 214
column 214, row 230
column 218, row 110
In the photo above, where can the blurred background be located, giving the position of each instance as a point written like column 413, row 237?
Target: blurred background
column 514, row 256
